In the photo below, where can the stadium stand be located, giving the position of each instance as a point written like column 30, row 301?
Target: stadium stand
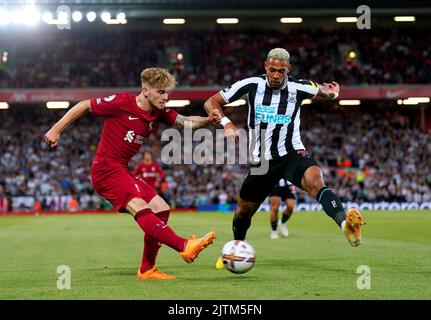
column 216, row 58
column 388, row 158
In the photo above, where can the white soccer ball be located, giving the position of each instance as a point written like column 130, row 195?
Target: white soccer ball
column 238, row 256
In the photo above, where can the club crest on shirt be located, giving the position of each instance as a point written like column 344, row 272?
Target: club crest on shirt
column 291, row 97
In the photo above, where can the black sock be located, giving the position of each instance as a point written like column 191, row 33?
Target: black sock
column 331, row 204
column 285, row 217
column 240, row 227
column 274, row 225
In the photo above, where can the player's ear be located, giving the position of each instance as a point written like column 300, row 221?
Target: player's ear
column 145, row 90
column 289, row 67
column 265, row 64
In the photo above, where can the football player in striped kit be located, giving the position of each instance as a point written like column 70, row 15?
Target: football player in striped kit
column 274, row 101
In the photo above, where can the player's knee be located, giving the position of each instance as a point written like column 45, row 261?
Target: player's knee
column 135, row 205
column 290, row 205
column 313, row 181
column 246, row 208
column 275, row 207
column 157, row 204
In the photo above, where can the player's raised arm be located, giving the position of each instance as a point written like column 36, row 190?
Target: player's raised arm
column 77, row 111
column 329, row 90
column 215, row 103
column 195, row 122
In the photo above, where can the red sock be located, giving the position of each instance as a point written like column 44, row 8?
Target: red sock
column 157, row 229
column 152, row 246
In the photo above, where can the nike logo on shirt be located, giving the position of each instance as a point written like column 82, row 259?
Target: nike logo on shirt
column 132, row 118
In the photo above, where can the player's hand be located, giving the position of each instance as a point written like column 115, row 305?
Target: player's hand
column 215, row 116
column 333, row 86
column 52, row 137
column 230, row 131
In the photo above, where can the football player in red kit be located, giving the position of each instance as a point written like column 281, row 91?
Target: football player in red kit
column 149, row 171
column 129, row 120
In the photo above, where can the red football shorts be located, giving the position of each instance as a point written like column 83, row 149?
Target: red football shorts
column 117, row 184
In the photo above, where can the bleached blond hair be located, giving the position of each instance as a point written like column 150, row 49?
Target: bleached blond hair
column 279, row 54
column 158, row 78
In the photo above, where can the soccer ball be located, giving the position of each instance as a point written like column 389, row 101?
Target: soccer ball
column 238, row 256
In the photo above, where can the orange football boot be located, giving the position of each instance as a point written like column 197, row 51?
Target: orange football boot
column 353, row 226
column 195, row 246
column 153, row 273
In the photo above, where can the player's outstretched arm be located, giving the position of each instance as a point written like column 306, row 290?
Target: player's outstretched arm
column 329, row 90
column 195, row 122
column 53, row 135
column 215, row 103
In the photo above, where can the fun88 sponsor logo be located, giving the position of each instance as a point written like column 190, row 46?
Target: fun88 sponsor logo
column 269, row 114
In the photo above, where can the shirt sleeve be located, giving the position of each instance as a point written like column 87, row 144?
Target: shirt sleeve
column 168, row 116
column 237, row 90
column 309, row 87
column 107, row 106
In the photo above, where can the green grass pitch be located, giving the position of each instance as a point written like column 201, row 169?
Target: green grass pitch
column 314, row 262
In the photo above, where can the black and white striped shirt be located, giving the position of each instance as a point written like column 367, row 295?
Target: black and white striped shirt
column 273, row 115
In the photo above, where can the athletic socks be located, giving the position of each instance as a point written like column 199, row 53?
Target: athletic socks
column 160, row 231
column 331, row 204
column 152, row 246
column 285, row 217
column 274, row 225
column 240, row 227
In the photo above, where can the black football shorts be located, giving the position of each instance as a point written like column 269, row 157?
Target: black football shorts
column 256, row 188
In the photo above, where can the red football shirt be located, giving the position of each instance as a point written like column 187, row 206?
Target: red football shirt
column 149, row 173
column 126, row 125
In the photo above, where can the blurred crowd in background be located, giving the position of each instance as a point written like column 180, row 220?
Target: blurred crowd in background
column 217, row 58
column 366, row 154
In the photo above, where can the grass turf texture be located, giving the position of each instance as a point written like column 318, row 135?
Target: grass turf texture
column 315, row 262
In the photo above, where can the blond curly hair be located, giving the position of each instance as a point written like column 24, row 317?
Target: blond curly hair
column 158, row 78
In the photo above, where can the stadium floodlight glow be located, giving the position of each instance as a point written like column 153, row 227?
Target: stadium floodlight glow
column 227, row 20
column 410, row 102
column 121, row 16
column 415, row 100
column 177, row 103
column 349, row 102
column 352, row 54
column 57, row 104
column 91, row 16
column 346, row 19
column 291, row 20
column 47, row 17
column 30, row 16
column 4, row 17
column 63, row 18
column 16, row 17
column 4, row 105
column 174, row 21
column 236, row 103
column 404, row 19
column 419, row 99
column 105, row 16
column 307, row 101
column 116, row 21
column 77, row 16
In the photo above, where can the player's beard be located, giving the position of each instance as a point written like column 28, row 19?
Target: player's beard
column 275, row 85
